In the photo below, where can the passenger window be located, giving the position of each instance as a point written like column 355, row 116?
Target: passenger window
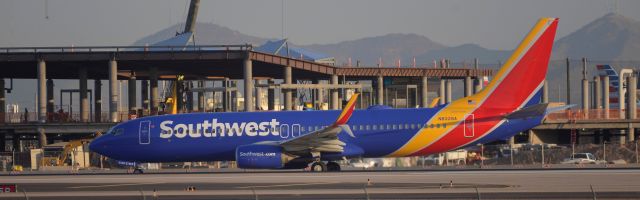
column 375, row 127
column 413, row 126
column 395, row 127
column 406, row 126
column 400, row 127
column 354, row 127
column 437, row 125
column 431, row 126
column 316, row 128
column 368, row 127
column 361, row 127
column 444, row 125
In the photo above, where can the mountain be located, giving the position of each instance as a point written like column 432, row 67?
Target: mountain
column 206, row 34
column 611, row 37
column 389, row 47
column 465, row 52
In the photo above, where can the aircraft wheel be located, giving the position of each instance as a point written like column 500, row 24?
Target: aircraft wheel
column 333, row 167
column 318, row 167
column 138, row 171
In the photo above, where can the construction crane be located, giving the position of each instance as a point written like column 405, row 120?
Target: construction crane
column 174, row 100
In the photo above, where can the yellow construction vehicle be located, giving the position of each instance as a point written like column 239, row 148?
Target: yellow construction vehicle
column 58, row 154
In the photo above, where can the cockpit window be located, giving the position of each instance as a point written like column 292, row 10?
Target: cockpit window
column 119, row 131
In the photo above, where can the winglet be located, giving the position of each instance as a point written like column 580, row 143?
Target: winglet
column 347, row 111
column 434, row 102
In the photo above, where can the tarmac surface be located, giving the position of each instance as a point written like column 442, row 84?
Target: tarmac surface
column 454, row 184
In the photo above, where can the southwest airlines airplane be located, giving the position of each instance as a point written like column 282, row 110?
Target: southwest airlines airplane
column 297, row 139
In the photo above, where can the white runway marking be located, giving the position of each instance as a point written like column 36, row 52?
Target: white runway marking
column 113, row 185
column 287, row 185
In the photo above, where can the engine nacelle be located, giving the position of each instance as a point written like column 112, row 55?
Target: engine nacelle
column 260, row 156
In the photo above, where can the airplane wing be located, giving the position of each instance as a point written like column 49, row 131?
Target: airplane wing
column 326, row 139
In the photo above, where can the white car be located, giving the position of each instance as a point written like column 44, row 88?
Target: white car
column 583, row 158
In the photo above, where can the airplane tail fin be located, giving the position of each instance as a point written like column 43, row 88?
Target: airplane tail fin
column 520, row 79
column 348, row 110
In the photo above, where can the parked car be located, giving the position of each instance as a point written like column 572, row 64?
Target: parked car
column 583, row 158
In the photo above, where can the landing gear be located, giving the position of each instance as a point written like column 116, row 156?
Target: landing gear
column 333, row 167
column 138, row 171
column 318, row 166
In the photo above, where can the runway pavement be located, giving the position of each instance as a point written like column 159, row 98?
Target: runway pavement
column 489, row 184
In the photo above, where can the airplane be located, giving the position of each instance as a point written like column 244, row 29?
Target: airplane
column 509, row 104
column 615, row 91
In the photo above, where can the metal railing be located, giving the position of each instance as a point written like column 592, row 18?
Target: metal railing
column 588, row 115
column 243, row 47
column 57, row 117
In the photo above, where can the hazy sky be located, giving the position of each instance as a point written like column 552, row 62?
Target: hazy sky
column 496, row 24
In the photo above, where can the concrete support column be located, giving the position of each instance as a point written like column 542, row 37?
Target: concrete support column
column 288, row 94
column 585, row 89
column 597, row 92
column 201, row 100
column 380, row 90
column 449, row 97
column 113, row 90
column 545, row 91
column 97, row 100
column 319, row 95
column 50, row 98
column 144, row 90
column 585, row 97
column 335, row 104
column 632, row 110
column 442, row 90
column 153, row 90
column 3, row 106
column 258, row 96
column 605, row 95
column 42, row 92
column 478, row 81
column 468, row 88
column 84, row 97
column 631, row 134
column 271, row 96
column 425, row 92
column 42, row 137
column 131, row 83
column 248, row 85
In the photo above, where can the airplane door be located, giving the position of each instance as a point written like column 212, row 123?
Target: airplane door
column 468, row 124
column 145, row 136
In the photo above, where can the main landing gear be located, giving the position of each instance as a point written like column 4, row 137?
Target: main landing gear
column 320, row 166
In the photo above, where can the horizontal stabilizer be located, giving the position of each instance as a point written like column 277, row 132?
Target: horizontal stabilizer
column 550, row 110
column 528, row 112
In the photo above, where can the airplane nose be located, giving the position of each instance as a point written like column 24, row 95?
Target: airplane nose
column 98, row 145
